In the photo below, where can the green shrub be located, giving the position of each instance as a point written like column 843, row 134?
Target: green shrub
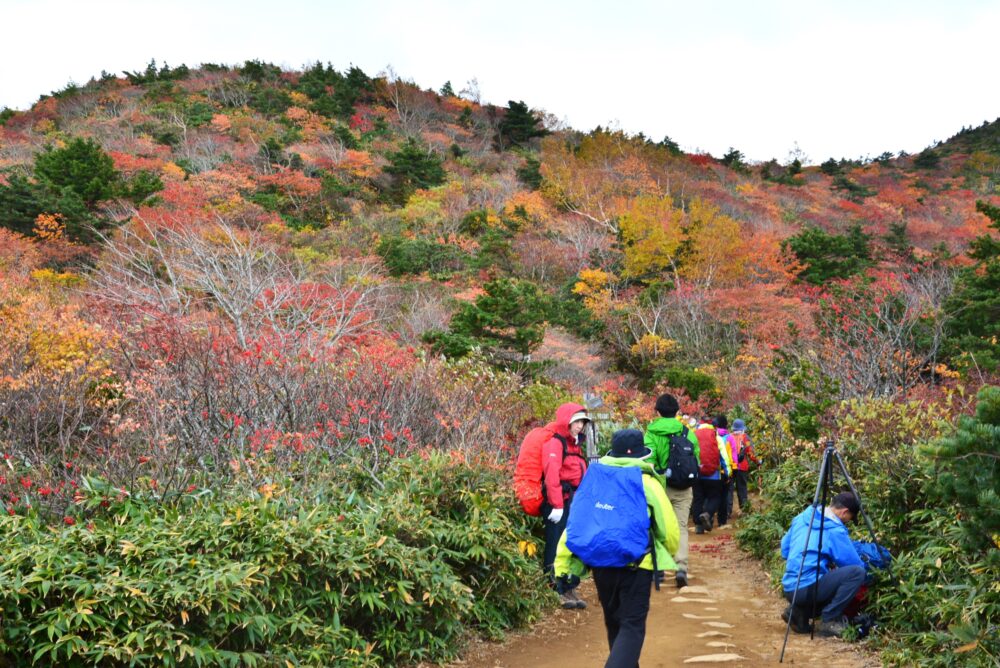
column 694, row 383
column 828, row 256
column 412, row 167
column 544, row 399
column 82, row 166
column 416, row 256
column 357, row 575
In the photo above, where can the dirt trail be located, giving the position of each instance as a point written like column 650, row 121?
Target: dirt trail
column 738, row 616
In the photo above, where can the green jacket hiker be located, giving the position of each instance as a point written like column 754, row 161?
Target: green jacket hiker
column 657, row 439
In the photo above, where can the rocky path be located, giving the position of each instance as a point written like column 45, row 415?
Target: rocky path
column 728, row 616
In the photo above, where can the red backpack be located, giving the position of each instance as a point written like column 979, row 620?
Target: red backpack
column 708, row 444
column 528, row 470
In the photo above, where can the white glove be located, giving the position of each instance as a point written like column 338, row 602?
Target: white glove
column 555, row 515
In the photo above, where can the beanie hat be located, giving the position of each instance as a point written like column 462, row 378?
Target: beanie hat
column 667, row 406
column 739, row 426
column 721, row 422
column 628, row 443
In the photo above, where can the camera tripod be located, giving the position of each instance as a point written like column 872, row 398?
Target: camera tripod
column 823, row 486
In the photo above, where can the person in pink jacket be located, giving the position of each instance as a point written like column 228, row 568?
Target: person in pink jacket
column 563, row 466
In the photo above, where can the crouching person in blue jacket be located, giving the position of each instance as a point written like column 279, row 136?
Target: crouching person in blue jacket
column 838, row 568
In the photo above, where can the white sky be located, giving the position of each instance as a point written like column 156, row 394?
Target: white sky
column 842, row 78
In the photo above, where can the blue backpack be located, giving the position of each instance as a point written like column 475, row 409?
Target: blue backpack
column 873, row 555
column 608, row 524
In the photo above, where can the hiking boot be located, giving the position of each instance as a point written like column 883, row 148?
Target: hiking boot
column 800, row 619
column 681, row 578
column 570, row 600
column 705, row 522
column 833, row 628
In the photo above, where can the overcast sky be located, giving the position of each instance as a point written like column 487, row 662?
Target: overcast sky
column 843, row 78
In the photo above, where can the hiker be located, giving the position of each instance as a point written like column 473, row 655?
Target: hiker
column 839, row 569
column 623, row 590
column 561, row 475
column 728, row 449
column 744, row 455
column 657, row 438
column 710, row 499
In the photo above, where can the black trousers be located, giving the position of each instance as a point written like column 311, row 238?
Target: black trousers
column 741, row 491
column 553, row 532
column 713, row 497
column 624, row 596
column 697, row 499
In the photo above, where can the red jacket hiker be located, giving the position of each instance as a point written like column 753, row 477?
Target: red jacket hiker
column 557, row 469
column 745, row 449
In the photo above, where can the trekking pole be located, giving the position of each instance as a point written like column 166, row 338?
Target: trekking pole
column 824, row 465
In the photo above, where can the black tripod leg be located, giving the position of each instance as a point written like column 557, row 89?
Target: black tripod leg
column 823, row 468
column 861, row 505
column 819, row 545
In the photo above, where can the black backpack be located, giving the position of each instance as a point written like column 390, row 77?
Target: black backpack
column 682, row 464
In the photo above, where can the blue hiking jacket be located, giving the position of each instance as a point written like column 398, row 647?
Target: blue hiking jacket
column 838, row 550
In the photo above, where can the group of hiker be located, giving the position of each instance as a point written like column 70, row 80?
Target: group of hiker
column 633, row 510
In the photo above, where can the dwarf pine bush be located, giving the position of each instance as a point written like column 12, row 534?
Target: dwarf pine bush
column 357, row 575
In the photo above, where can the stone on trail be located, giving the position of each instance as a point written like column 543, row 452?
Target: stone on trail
column 719, row 625
column 714, row 658
column 690, row 616
column 694, row 589
column 684, row 599
column 717, row 643
column 713, row 634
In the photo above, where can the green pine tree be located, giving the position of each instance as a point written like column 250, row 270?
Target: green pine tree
column 968, row 474
column 22, row 200
column 81, row 166
column 829, row 256
column 508, row 322
column 974, row 330
column 413, row 166
column 518, row 126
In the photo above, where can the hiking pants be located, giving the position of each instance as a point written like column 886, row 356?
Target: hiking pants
column 741, row 492
column 725, row 497
column 697, row 500
column 834, row 592
column 552, row 534
column 680, row 500
column 714, row 494
column 624, row 596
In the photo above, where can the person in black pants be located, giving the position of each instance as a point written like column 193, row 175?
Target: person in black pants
column 710, row 497
column 624, row 596
column 624, row 591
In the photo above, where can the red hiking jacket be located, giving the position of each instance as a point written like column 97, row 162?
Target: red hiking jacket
column 557, row 469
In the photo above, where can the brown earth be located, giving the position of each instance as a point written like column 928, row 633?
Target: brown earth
column 739, row 616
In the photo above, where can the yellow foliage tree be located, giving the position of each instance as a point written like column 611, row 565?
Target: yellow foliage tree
column 716, row 252
column 595, row 288
column 597, row 178
column 652, row 230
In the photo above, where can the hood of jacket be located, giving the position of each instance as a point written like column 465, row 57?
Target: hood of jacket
column 665, row 426
column 563, row 414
